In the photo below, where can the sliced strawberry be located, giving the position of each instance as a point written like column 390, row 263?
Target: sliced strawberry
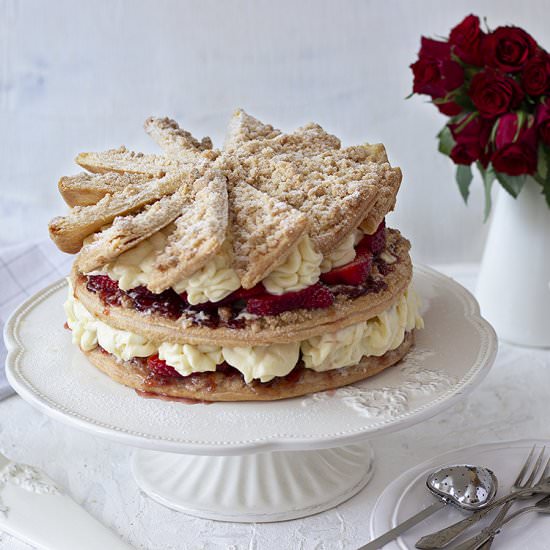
column 313, row 297
column 245, row 293
column 374, row 243
column 160, row 368
column 354, row 273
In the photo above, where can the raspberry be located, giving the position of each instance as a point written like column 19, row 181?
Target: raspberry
column 316, row 296
column 355, row 273
column 160, row 368
column 105, row 287
column 168, row 303
column 374, row 243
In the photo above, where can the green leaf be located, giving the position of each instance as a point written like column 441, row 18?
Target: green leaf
column 488, row 176
column 546, row 190
column 410, row 95
column 463, row 179
column 522, row 118
column 467, row 119
column 542, row 176
column 542, row 161
column 461, row 97
column 446, row 141
column 512, row 184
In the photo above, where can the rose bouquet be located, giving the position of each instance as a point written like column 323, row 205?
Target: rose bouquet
column 495, row 87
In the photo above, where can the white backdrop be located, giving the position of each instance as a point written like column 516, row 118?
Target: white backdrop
column 83, row 75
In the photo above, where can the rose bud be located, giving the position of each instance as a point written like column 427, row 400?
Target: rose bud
column 494, row 93
column 508, row 48
column 535, row 77
column 435, row 73
column 515, row 150
column 471, row 139
column 466, row 41
column 542, row 121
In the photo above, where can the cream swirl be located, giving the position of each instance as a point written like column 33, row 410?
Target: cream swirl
column 344, row 253
column 374, row 337
column 88, row 332
column 299, row 270
column 187, row 359
column 263, row 362
column 214, row 281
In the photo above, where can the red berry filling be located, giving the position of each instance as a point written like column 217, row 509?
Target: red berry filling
column 105, row 287
column 374, row 243
column 354, row 273
column 159, row 368
column 351, row 280
column 168, row 303
column 313, row 297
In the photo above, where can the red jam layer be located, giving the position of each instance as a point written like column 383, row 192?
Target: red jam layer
column 351, row 280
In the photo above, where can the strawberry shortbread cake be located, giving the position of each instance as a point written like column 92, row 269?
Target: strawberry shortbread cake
column 259, row 271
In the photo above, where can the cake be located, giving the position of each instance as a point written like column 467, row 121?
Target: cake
column 259, row 271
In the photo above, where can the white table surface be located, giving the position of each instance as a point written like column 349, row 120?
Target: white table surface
column 511, row 403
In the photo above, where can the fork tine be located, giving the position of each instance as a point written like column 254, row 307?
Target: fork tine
column 523, row 471
column 545, row 473
column 536, row 468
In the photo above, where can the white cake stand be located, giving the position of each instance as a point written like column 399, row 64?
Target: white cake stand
column 254, row 462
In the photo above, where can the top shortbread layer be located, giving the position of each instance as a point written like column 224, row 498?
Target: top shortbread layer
column 258, row 198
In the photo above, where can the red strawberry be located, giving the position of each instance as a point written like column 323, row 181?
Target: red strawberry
column 374, row 243
column 313, row 297
column 355, row 273
column 244, row 294
column 160, row 368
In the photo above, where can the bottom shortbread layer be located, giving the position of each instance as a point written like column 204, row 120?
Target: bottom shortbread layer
column 220, row 386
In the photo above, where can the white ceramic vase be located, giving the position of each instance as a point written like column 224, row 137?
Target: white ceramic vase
column 513, row 288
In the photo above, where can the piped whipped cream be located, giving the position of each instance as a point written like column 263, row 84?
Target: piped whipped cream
column 263, row 362
column 300, row 269
column 339, row 349
column 212, row 283
column 88, row 332
column 187, row 359
column 217, row 279
column 375, row 337
column 343, row 253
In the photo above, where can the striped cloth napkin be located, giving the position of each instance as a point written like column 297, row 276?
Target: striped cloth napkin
column 24, row 270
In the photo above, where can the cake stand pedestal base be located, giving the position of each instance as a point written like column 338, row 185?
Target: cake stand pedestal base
column 262, row 487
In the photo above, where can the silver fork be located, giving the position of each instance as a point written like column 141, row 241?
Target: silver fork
column 441, row 538
column 488, row 534
column 517, row 486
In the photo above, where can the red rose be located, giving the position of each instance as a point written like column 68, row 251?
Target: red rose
column 465, row 153
column 471, row 140
column 542, row 119
column 435, row 73
column 466, row 40
column 536, row 74
column 494, row 93
column 449, row 108
column 515, row 151
column 508, row 49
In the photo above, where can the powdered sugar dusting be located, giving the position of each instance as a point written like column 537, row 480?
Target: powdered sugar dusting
column 391, row 401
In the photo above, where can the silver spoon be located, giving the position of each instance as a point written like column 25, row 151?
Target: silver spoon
column 467, row 487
